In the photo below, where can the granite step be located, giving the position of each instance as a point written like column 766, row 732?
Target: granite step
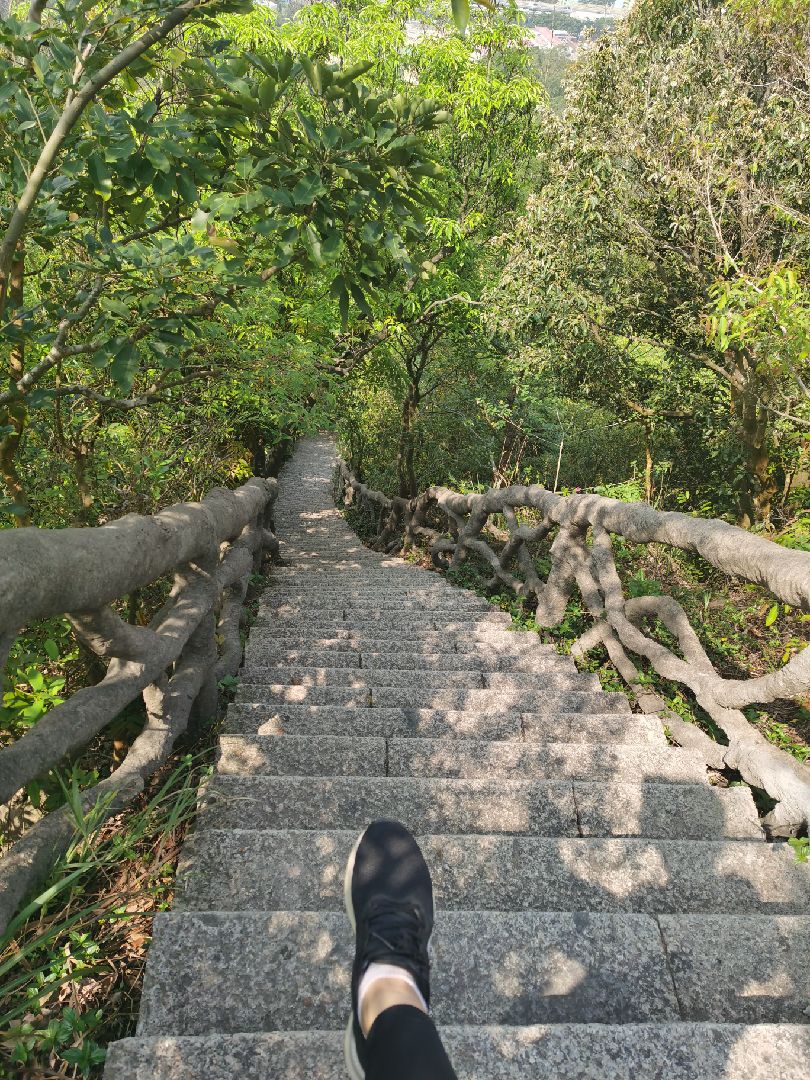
column 679, row 1051
column 551, row 808
column 388, row 697
column 243, row 869
column 384, row 601
column 255, row 676
column 508, row 967
column 470, row 759
column 476, row 639
column 265, row 657
column 413, row 619
column 564, row 727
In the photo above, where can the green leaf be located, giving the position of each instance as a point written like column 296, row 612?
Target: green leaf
column 331, row 246
column 267, row 93
column 186, row 187
column 461, row 14
column 99, row 174
column 157, row 158
column 109, row 303
column 772, row 615
column 52, row 649
column 312, row 73
column 125, row 366
column 372, row 232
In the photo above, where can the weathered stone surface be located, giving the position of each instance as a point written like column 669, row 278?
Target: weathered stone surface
column 424, row 805
column 387, row 697
column 565, row 1052
column 344, row 653
column 543, row 761
column 302, row 870
column 597, row 728
column 686, row 812
column 255, row 678
column 211, row 972
column 537, row 808
column 752, row 968
column 295, row 755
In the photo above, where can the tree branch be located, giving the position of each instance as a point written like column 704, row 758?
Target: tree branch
column 68, row 120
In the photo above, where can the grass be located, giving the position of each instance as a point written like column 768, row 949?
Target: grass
column 71, row 962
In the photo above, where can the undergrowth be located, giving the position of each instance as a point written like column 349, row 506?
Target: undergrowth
column 71, row 962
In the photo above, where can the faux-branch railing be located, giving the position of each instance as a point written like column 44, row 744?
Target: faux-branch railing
column 176, row 662
column 580, row 530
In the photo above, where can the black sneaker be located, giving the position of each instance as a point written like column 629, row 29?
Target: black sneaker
column 389, row 900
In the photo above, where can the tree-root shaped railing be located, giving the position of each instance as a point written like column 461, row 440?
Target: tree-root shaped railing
column 176, row 662
column 580, row 528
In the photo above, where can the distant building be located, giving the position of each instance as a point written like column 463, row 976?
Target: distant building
column 544, row 37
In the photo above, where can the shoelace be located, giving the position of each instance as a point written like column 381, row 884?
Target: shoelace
column 399, row 927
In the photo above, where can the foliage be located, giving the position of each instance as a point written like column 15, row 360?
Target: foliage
column 674, row 184
column 79, row 945
column 116, row 260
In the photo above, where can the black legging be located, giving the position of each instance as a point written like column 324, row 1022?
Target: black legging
column 403, row 1044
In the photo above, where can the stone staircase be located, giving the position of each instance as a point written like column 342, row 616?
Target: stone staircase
column 602, row 911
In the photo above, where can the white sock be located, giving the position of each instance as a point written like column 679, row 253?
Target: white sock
column 375, row 972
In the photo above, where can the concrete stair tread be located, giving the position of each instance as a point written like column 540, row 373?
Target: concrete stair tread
column 691, row 1051
column 565, row 727
column 489, row 641
column 324, row 755
column 268, row 658
column 293, row 869
column 422, row 678
column 530, row 967
column 454, row 698
column 521, row 807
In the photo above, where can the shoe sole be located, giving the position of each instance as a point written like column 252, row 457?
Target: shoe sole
column 355, row 1069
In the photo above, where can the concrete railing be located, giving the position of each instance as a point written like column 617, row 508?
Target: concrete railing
column 578, row 530
column 176, row 662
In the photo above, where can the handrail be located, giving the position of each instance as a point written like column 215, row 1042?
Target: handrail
column 582, row 557
column 211, row 548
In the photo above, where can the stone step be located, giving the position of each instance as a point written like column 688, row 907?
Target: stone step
column 602, row 728
column 471, row 759
column 267, row 657
column 322, row 595
column 243, row 869
column 523, row 807
column 675, row 1051
column 512, row 968
column 255, row 676
column 486, row 639
column 366, row 576
column 415, row 619
column 271, row 605
column 388, row 697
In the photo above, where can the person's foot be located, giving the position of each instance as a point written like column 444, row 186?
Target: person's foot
column 389, row 900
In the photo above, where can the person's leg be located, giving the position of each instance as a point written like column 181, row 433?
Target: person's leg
column 389, row 900
column 403, row 1044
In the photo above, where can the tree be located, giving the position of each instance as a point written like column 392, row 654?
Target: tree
column 117, row 247
column 422, row 339
column 673, row 216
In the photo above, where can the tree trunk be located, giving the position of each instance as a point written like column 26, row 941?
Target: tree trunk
column 500, row 476
column 759, row 483
column 406, row 473
column 16, row 415
column 648, row 463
